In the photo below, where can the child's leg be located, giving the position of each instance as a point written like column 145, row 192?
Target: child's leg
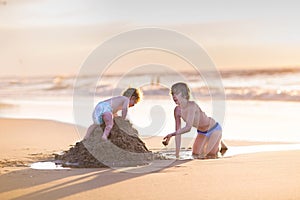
column 213, row 143
column 90, row 130
column 108, row 120
column 223, row 145
column 198, row 147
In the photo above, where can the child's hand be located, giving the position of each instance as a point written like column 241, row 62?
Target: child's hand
column 165, row 142
column 167, row 139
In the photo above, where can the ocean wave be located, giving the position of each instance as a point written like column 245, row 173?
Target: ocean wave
column 258, row 94
column 274, row 85
column 261, row 72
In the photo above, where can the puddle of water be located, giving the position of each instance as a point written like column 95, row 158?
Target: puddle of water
column 46, row 165
column 238, row 150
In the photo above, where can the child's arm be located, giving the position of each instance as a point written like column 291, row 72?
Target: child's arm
column 177, row 116
column 189, row 122
column 125, row 108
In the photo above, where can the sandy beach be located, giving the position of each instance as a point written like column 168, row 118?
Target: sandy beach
column 265, row 175
column 240, row 61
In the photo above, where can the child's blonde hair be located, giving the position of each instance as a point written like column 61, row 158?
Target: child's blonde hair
column 181, row 88
column 133, row 92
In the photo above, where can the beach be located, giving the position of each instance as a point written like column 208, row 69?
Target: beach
column 39, row 119
column 262, row 175
column 241, row 63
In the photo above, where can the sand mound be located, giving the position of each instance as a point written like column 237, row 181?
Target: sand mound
column 124, row 148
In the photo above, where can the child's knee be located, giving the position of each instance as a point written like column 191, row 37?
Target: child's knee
column 108, row 127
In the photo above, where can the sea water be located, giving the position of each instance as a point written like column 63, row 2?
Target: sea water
column 259, row 105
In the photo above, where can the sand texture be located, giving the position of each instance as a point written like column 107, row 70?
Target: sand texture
column 124, row 148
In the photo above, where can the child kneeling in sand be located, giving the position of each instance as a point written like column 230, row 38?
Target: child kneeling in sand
column 106, row 110
column 209, row 131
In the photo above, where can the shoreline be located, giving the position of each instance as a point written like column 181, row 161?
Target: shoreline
column 242, row 120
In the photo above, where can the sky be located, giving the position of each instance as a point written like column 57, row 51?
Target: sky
column 55, row 37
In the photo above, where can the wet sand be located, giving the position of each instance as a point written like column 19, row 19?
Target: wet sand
column 260, row 175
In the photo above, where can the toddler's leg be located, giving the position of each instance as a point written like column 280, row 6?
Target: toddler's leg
column 108, row 120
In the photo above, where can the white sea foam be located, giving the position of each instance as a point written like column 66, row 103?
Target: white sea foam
column 281, row 85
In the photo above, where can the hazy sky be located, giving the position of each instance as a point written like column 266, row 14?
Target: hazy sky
column 40, row 37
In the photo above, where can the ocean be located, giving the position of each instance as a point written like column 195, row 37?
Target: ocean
column 259, row 105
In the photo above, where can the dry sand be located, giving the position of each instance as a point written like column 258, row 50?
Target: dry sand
column 272, row 175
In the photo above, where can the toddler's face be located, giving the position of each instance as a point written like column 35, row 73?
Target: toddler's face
column 132, row 101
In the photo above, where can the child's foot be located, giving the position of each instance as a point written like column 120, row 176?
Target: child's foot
column 104, row 137
column 223, row 150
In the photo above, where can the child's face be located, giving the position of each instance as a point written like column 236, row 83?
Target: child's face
column 177, row 97
column 132, row 101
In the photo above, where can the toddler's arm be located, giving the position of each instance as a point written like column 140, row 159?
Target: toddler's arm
column 125, row 108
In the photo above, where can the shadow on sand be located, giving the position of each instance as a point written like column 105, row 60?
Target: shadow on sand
column 56, row 184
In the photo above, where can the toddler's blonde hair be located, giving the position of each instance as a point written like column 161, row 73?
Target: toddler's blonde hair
column 133, row 92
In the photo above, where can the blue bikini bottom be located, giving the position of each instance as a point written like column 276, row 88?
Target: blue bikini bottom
column 216, row 127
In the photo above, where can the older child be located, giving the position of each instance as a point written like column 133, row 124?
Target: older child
column 106, row 110
column 209, row 131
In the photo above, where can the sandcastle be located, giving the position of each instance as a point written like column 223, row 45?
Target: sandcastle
column 124, row 148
